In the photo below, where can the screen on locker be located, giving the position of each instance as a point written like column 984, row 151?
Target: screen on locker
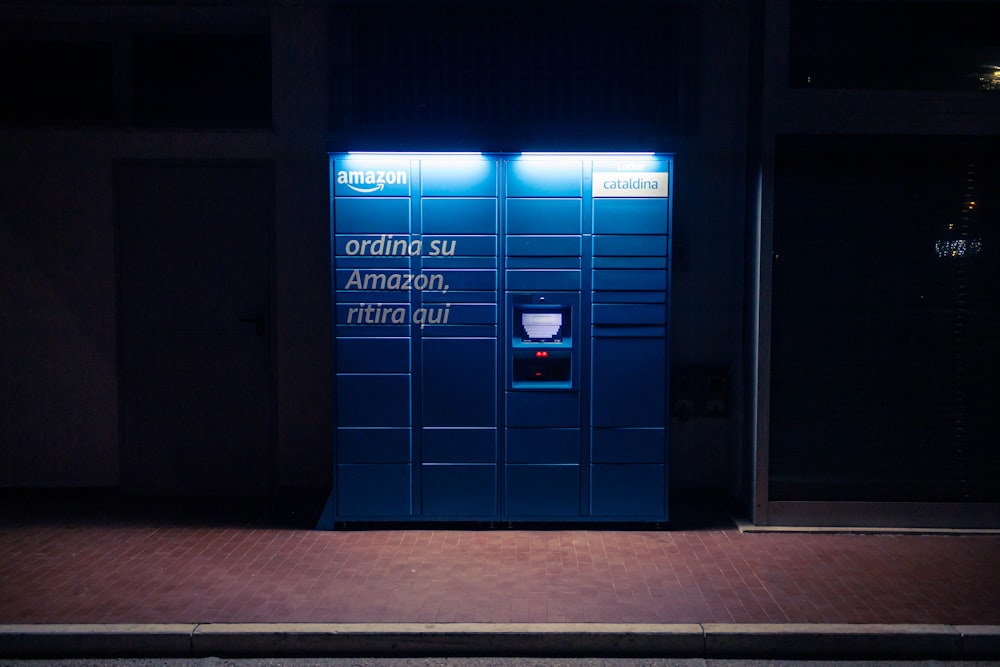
column 542, row 347
column 541, row 327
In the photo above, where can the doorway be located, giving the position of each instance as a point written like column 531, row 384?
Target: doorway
column 194, row 309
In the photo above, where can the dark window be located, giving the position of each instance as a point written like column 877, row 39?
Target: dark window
column 203, row 80
column 886, row 313
column 895, row 45
column 507, row 70
column 52, row 82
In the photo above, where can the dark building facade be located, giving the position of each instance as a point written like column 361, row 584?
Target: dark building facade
column 831, row 253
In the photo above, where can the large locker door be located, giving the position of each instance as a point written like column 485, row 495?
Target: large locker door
column 543, row 260
column 374, row 380
column 459, row 226
column 629, row 358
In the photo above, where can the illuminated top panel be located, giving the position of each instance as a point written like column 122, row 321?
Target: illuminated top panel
column 610, row 175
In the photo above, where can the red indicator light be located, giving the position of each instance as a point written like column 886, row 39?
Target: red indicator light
column 542, row 353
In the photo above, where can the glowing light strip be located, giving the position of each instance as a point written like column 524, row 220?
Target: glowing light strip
column 413, row 153
column 539, row 155
column 533, row 154
column 586, row 154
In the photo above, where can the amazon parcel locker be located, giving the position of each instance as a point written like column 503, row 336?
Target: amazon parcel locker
column 500, row 337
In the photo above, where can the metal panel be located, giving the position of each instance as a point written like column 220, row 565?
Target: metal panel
column 543, row 491
column 543, row 280
column 544, row 216
column 458, row 176
column 459, row 491
column 373, row 490
column 543, row 408
column 373, row 400
column 629, row 246
column 373, row 445
column 628, row 445
column 628, row 382
column 646, row 486
column 544, row 263
column 545, row 178
column 460, row 245
column 640, row 279
column 363, row 215
column 630, row 263
column 459, row 445
column 627, row 313
column 466, row 279
column 630, row 216
column 543, row 445
column 459, row 216
column 543, row 245
column 461, row 389
column 628, row 331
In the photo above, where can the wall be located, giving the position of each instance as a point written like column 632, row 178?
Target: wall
column 58, row 334
column 58, row 342
column 708, row 255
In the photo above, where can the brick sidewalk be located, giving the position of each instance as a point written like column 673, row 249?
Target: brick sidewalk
column 109, row 571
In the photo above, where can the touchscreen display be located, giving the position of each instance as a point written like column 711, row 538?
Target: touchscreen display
column 542, row 326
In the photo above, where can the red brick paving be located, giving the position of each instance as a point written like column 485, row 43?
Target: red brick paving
column 109, row 572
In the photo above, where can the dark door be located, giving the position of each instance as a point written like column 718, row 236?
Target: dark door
column 193, row 247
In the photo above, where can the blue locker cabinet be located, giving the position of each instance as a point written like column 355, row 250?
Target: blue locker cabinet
column 500, row 337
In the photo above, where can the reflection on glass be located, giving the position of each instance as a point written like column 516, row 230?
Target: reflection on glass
column 958, row 247
column 957, row 243
column 897, row 45
column 990, row 80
